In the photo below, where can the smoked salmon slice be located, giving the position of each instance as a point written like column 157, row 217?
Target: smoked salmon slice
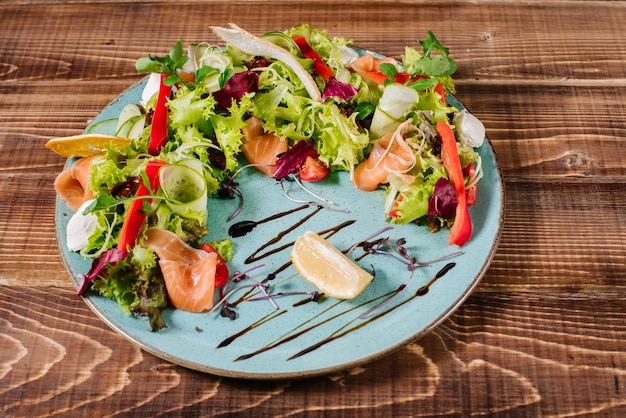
column 264, row 149
column 252, row 129
column 368, row 67
column 390, row 154
column 189, row 273
column 71, row 185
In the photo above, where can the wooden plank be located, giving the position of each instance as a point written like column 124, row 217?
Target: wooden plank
column 513, row 354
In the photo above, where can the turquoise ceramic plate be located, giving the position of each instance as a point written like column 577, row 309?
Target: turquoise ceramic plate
column 298, row 340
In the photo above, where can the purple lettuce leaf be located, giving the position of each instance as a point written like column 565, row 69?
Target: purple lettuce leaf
column 110, row 256
column 235, row 87
column 443, row 201
column 289, row 162
column 336, row 88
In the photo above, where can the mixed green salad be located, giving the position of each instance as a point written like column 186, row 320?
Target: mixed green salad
column 334, row 108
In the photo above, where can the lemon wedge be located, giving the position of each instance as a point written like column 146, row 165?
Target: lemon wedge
column 85, row 145
column 327, row 268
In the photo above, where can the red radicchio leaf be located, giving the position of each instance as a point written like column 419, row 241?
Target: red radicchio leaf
column 235, row 87
column 443, row 201
column 336, row 88
column 289, row 162
column 110, row 256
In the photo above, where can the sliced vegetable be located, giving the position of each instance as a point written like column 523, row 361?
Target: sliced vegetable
column 98, row 265
column 158, row 133
column 312, row 170
column 136, row 216
column 221, row 269
column 394, row 104
column 290, row 161
column 462, row 228
column 319, row 66
column 185, row 188
column 471, row 190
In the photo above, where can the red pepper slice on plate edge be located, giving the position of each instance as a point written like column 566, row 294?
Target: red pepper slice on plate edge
column 461, row 230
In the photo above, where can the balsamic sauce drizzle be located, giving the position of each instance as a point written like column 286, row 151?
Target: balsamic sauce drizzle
column 336, row 334
column 255, row 257
column 292, row 335
column 243, row 227
column 244, row 331
column 340, row 332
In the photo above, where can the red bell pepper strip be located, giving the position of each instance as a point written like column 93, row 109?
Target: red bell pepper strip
column 462, row 228
column 136, row 216
column 158, row 132
column 319, row 66
column 221, row 269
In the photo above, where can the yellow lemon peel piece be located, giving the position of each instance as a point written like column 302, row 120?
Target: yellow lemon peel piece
column 85, row 145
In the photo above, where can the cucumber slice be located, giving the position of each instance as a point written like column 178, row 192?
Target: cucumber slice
column 137, row 128
column 130, row 111
column 282, row 40
column 185, row 189
column 125, row 128
column 395, row 103
column 104, row 127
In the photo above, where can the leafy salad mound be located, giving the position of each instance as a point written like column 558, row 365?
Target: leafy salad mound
column 187, row 134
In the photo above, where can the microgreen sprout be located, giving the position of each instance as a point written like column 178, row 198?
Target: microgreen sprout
column 230, row 188
column 312, row 296
column 326, row 205
column 397, row 251
column 225, row 307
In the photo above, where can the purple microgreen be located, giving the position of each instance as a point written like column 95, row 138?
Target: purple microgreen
column 237, row 277
column 306, row 189
column 393, row 297
column 369, row 237
column 308, row 202
column 110, row 256
column 229, row 188
column 224, row 299
column 397, row 251
column 384, row 246
column 438, row 259
column 314, row 296
column 225, row 307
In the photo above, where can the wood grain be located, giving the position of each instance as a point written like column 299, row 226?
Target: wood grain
column 498, row 354
column 542, row 335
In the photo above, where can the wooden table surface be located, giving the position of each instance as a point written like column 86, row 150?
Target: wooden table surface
column 543, row 334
